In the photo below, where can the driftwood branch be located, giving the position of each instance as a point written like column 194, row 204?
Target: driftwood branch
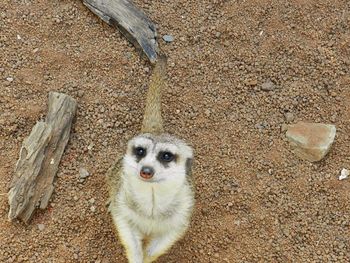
column 40, row 155
column 131, row 21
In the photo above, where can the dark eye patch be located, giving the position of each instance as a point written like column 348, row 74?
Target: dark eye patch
column 165, row 157
column 139, row 152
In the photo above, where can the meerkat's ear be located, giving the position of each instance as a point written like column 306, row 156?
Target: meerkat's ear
column 188, row 165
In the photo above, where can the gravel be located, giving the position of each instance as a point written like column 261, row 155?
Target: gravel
column 256, row 201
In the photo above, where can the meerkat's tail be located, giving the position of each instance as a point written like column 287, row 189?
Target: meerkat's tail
column 152, row 120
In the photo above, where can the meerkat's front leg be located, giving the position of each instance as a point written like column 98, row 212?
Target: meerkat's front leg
column 159, row 245
column 131, row 240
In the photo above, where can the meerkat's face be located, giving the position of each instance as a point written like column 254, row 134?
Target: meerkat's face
column 157, row 159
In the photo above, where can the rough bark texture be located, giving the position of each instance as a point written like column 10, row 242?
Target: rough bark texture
column 130, row 20
column 40, row 155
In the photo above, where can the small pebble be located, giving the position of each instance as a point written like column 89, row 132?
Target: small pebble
column 237, row 222
column 251, row 82
column 168, row 38
column 284, row 127
column 83, row 173
column 93, row 209
column 268, row 85
column 41, row 227
column 344, row 174
column 9, row 79
column 80, row 93
column 289, row 117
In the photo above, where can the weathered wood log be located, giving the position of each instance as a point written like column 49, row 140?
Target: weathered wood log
column 131, row 21
column 40, row 155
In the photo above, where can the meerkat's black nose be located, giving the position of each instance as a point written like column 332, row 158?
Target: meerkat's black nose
column 147, row 172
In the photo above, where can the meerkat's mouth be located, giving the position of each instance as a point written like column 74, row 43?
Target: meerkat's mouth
column 151, row 180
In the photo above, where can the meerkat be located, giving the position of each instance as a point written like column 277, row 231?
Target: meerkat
column 151, row 191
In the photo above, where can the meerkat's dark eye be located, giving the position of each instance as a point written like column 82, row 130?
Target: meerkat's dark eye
column 167, row 156
column 140, row 152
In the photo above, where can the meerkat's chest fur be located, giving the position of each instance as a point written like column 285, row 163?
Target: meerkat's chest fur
column 154, row 208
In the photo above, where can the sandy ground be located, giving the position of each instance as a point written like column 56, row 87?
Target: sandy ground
column 256, row 201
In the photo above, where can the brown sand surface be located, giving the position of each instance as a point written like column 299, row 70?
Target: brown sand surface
column 238, row 70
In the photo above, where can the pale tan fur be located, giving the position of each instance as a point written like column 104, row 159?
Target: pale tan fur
column 152, row 121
